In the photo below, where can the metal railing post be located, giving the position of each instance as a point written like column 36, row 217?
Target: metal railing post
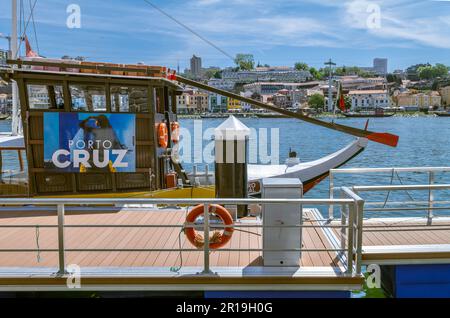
column 350, row 235
column 61, row 249
column 344, row 213
column 359, row 233
column 430, row 196
column 331, row 190
column 357, row 213
column 206, row 269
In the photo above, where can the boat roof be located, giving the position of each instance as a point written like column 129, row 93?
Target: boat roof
column 106, row 76
column 9, row 142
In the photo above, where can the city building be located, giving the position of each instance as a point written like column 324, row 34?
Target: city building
column 270, row 88
column 196, row 66
column 419, row 101
column 3, row 57
column 182, row 103
column 192, row 101
column 368, row 99
column 281, row 100
column 199, row 101
column 5, row 103
column 280, row 74
column 380, row 66
column 225, row 84
column 233, row 104
column 217, row 103
column 355, row 82
column 445, row 95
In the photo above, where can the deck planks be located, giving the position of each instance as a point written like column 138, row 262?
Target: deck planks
column 139, row 238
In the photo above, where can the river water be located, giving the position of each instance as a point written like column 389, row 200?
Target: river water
column 424, row 141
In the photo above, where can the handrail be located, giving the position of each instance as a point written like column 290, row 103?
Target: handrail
column 431, row 171
column 110, row 201
column 352, row 201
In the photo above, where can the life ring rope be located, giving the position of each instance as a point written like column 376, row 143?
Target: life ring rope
column 218, row 239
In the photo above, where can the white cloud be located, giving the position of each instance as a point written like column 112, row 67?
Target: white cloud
column 400, row 22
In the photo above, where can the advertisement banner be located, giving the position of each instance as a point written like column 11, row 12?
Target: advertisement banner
column 85, row 142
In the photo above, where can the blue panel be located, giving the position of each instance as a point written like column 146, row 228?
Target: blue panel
column 277, row 294
column 431, row 280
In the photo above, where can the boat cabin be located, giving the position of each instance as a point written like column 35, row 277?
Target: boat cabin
column 95, row 127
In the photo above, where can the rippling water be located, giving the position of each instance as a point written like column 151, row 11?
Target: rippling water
column 424, row 141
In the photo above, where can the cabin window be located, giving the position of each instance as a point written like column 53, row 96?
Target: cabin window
column 45, row 96
column 129, row 99
column 90, row 98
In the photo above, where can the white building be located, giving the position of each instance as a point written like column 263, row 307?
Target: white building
column 281, row 73
column 225, row 84
column 369, row 99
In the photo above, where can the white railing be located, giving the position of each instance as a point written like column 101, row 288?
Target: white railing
column 428, row 205
column 350, row 202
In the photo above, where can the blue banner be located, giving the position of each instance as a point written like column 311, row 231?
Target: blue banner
column 85, row 142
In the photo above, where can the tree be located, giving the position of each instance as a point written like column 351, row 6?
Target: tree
column 348, row 102
column 440, row 70
column 412, row 71
column 300, row 66
column 428, row 72
column 316, row 101
column 244, row 62
column 425, row 72
column 318, row 75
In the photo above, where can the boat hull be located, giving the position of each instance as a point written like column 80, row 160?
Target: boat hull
column 310, row 173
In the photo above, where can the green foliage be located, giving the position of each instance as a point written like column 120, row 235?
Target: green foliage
column 348, row 102
column 316, row 101
column 427, row 71
column 244, row 62
column 300, row 66
column 318, row 75
column 351, row 70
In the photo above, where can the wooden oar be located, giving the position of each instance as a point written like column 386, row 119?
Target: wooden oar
column 383, row 138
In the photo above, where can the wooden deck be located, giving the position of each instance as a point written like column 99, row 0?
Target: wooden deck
column 39, row 236
column 405, row 240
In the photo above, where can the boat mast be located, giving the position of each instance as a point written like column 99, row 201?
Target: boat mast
column 16, row 127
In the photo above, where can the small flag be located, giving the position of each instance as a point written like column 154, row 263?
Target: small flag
column 341, row 100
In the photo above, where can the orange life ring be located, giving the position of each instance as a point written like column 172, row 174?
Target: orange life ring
column 163, row 135
column 175, row 129
column 218, row 239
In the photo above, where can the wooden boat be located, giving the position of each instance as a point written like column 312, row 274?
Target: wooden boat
column 310, row 173
column 367, row 114
column 443, row 114
column 73, row 92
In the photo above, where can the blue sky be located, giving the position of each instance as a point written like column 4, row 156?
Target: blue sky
column 275, row 32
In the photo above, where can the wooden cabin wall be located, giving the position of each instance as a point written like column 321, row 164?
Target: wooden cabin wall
column 150, row 167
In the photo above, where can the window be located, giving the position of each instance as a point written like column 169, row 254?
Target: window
column 129, row 99
column 45, row 96
column 88, row 98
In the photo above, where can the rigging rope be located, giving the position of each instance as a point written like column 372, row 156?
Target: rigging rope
column 34, row 27
column 25, row 29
